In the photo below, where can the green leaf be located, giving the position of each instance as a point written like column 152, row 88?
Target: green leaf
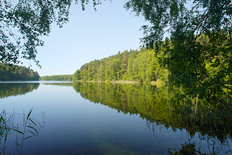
column 32, row 121
column 18, row 131
column 17, row 143
column 29, row 137
column 5, row 137
column 31, row 132
column 33, row 129
column 29, row 114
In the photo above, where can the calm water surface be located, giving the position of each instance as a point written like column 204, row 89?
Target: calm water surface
column 80, row 118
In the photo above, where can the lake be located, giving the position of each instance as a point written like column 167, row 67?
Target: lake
column 96, row 118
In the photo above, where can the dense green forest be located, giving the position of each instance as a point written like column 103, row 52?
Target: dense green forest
column 17, row 73
column 57, row 78
column 134, row 65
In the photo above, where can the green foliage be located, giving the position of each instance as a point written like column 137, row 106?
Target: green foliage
column 131, row 65
column 187, row 148
column 57, row 78
column 202, row 68
column 17, row 73
column 77, row 75
column 200, row 32
column 182, row 18
column 23, row 22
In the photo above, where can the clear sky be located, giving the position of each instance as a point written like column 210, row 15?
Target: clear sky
column 89, row 35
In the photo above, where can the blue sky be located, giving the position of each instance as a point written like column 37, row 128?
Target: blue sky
column 89, row 35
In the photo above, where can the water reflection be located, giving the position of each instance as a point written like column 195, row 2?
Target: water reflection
column 59, row 84
column 166, row 107
column 14, row 89
column 16, row 127
column 179, row 125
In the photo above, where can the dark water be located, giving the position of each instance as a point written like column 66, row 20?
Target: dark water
column 90, row 118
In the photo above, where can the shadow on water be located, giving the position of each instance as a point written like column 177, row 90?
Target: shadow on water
column 166, row 107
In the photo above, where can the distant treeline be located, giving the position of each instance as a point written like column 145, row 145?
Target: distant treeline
column 134, row 65
column 57, row 78
column 17, row 73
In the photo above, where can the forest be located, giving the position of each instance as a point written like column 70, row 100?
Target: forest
column 133, row 65
column 57, row 78
column 147, row 65
column 204, row 71
column 17, row 73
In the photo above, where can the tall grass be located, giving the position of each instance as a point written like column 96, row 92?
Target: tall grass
column 30, row 128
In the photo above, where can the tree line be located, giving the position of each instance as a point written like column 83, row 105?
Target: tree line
column 17, row 73
column 57, row 78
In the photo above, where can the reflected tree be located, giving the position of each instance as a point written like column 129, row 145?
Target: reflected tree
column 166, row 107
column 189, row 149
column 14, row 89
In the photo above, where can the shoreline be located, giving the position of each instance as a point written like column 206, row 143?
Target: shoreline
column 157, row 82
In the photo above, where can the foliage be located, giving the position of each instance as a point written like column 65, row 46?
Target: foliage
column 133, row 65
column 57, row 78
column 200, row 32
column 187, row 148
column 209, row 75
column 17, row 73
column 23, row 22
column 182, row 18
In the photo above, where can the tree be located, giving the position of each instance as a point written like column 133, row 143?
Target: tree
column 17, row 73
column 188, row 58
column 76, row 75
column 31, row 19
